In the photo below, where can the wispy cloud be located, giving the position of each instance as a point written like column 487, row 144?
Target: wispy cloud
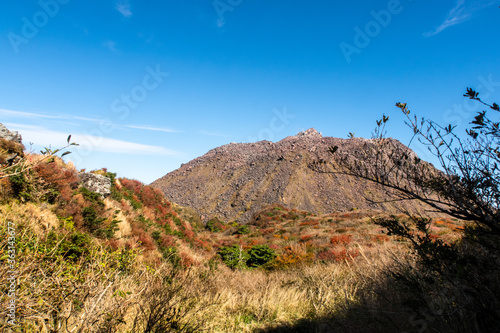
column 460, row 13
column 148, row 128
column 46, row 137
column 32, row 115
column 69, row 118
column 124, row 8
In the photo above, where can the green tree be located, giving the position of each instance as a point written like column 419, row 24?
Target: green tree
column 233, row 256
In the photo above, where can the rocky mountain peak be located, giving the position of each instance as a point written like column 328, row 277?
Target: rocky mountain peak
column 235, row 181
column 310, row 133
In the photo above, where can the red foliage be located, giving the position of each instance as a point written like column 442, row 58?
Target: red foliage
column 341, row 239
column 305, row 238
column 433, row 237
column 202, row 243
column 310, row 222
column 224, row 242
column 267, row 231
column 114, row 244
column 167, row 241
column 186, row 260
column 333, row 255
column 146, row 240
column 274, row 247
column 132, row 185
column 380, row 238
column 57, row 176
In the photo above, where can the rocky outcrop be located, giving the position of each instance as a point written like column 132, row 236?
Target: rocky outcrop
column 96, row 183
column 11, row 146
column 235, row 181
column 10, row 135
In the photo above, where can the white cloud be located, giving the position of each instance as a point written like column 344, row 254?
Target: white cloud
column 124, row 8
column 87, row 142
column 461, row 12
column 68, row 118
column 148, row 128
column 22, row 114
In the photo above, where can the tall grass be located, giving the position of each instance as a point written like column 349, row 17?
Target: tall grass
column 67, row 282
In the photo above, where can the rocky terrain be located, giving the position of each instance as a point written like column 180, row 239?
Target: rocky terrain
column 235, row 181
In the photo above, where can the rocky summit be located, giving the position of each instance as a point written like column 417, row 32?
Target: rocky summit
column 235, row 181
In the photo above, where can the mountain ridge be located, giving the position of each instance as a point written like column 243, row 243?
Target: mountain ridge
column 235, row 181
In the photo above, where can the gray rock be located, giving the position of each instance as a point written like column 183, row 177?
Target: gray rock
column 10, row 135
column 96, row 183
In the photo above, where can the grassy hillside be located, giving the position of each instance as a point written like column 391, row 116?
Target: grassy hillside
column 134, row 262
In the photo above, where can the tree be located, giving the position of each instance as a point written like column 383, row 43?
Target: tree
column 466, row 187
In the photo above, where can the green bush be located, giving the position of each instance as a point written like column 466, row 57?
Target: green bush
column 233, row 256
column 243, row 230
column 91, row 196
column 260, row 255
column 91, row 220
column 72, row 246
column 214, row 225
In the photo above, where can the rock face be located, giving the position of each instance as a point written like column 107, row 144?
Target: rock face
column 11, row 146
column 10, row 135
column 234, row 181
column 96, row 183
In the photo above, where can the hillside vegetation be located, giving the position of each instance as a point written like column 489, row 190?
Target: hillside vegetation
column 135, row 262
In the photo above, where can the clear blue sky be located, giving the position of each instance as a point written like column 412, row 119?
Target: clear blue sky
column 144, row 86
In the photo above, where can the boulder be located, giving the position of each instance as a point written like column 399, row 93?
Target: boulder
column 96, row 183
column 10, row 135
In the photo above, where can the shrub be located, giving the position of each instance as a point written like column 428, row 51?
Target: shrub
column 333, row 255
column 233, row 256
column 260, row 255
column 243, row 230
column 341, row 239
column 92, row 197
column 91, row 220
column 72, row 246
column 214, row 225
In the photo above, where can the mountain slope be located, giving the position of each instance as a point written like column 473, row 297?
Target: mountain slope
column 235, row 181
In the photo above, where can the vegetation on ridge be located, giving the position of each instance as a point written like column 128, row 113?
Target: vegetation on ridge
column 134, row 262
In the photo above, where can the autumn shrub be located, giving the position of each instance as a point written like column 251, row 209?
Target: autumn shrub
column 309, row 222
column 293, row 255
column 380, row 238
column 215, row 225
column 337, row 255
column 341, row 239
column 267, row 231
column 305, row 238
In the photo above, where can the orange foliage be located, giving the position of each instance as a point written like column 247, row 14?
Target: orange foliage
column 310, row 222
column 380, row 238
column 341, row 239
column 293, row 256
column 305, row 238
column 333, row 255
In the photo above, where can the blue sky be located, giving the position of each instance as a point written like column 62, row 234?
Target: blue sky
column 144, row 86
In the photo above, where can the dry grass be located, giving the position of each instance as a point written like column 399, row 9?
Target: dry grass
column 101, row 292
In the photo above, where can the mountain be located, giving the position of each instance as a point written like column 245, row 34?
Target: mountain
column 237, row 180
